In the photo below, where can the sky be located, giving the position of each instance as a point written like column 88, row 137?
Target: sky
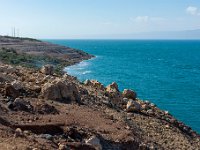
column 76, row 19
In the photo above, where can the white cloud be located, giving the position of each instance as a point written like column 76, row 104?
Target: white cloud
column 141, row 19
column 146, row 19
column 192, row 10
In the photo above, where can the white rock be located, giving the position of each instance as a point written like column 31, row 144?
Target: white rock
column 94, row 141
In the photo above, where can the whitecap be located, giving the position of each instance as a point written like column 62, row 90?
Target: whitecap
column 86, row 72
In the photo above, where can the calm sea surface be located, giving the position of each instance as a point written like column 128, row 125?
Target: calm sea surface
column 165, row 72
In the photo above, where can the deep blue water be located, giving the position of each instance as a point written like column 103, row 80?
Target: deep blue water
column 165, row 72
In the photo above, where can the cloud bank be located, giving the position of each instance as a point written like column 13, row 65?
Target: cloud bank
column 193, row 11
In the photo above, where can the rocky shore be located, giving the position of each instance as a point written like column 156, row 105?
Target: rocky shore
column 40, row 109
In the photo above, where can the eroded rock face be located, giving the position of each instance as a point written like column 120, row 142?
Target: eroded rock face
column 47, row 69
column 130, row 94
column 61, row 91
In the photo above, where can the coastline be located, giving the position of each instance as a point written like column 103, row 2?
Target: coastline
column 182, row 125
column 95, row 110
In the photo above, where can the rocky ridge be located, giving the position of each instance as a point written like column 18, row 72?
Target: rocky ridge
column 43, row 110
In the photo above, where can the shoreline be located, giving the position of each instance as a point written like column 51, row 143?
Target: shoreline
column 105, row 85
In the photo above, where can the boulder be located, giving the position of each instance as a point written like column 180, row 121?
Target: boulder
column 11, row 91
column 94, row 83
column 61, row 91
column 113, row 93
column 47, row 69
column 17, row 85
column 94, row 141
column 127, row 93
column 113, row 87
column 22, row 105
column 133, row 106
column 46, row 109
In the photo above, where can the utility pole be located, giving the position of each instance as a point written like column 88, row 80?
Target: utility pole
column 17, row 32
column 14, row 31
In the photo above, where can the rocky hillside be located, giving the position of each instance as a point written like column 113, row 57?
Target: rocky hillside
column 43, row 110
column 35, row 53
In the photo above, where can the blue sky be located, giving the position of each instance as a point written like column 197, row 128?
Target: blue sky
column 97, row 18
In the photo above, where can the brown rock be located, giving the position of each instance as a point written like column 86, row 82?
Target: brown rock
column 127, row 93
column 94, row 83
column 113, row 93
column 11, row 91
column 47, row 69
column 61, row 91
column 18, row 132
column 113, row 87
column 17, row 85
column 133, row 106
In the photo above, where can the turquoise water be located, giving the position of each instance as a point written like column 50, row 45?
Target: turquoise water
column 163, row 71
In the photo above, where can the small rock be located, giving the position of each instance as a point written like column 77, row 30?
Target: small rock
column 18, row 132
column 47, row 69
column 94, row 141
column 62, row 147
column 127, row 93
column 145, row 107
column 146, row 102
column 17, row 85
column 150, row 112
column 166, row 112
column 47, row 136
column 133, row 106
column 10, row 105
column 26, row 132
column 11, row 91
column 152, row 105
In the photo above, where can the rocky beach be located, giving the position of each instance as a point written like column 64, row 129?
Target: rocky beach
column 42, row 107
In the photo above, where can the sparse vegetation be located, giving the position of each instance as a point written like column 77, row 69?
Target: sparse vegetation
column 10, row 56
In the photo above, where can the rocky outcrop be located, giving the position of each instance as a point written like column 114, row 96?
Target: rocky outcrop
column 130, row 94
column 94, row 83
column 61, row 91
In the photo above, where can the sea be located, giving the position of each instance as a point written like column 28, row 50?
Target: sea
column 165, row 72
